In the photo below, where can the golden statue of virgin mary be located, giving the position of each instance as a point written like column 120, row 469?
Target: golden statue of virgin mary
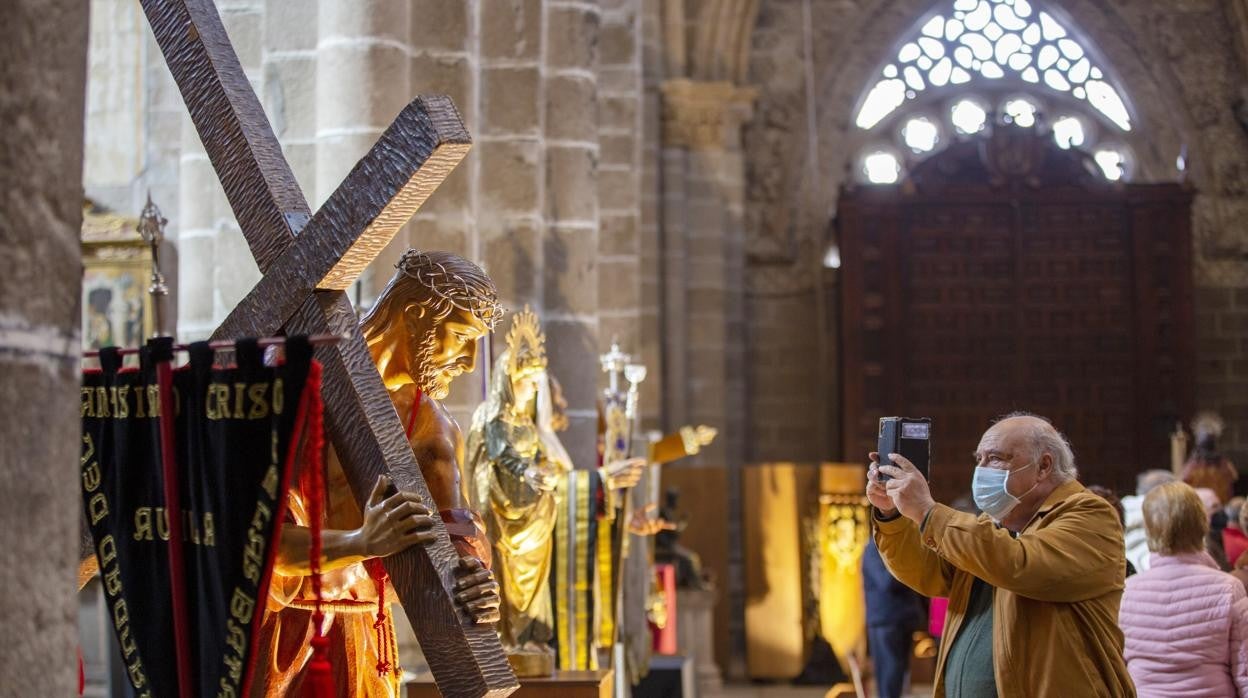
column 513, row 466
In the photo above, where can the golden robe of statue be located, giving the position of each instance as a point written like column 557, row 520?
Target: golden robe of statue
column 421, row 333
column 512, row 467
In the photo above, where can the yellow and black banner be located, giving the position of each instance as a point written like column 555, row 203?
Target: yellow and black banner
column 237, row 430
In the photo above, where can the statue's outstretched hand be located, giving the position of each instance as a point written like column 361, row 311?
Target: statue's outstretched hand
column 476, row 591
column 540, row 478
column 641, row 524
column 623, row 474
column 394, row 523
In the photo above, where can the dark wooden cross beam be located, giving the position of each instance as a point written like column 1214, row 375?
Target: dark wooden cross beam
column 308, row 261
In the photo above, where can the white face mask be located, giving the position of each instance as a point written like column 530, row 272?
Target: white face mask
column 988, row 488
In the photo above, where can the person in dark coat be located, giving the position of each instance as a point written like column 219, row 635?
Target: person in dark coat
column 894, row 612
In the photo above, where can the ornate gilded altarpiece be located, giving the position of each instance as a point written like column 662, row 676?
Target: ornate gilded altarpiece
column 117, row 271
column 1004, row 274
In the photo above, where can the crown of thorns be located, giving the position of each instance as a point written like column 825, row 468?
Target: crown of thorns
column 473, row 297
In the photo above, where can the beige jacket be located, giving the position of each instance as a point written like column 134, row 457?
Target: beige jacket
column 1058, row 586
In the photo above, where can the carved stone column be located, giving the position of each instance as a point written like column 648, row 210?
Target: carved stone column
column 43, row 66
column 703, row 234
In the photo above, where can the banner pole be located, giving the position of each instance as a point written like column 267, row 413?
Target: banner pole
column 173, row 510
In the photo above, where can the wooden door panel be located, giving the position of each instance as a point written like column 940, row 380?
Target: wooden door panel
column 966, row 295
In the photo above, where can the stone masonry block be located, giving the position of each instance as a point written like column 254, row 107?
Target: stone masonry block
column 289, row 25
column 200, row 193
column 335, row 156
column 618, row 287
column 617, row 234
column 571, row 37
column 510, row 176
column 626, row 330
column 511, row 29
column 445, row 233
column 620, row 79
column 385, row 19
column 445, row 75
column 573, row 348
column 618, row 190
column 245, row 28
column 618, row 113
column 569, row 276
column 195, row 280
column 290, row 97
column 571, row 108
column 302, row 159
column 360, row 85
column 571, row 184
column 440, row 25
column 617, row 149
column 512, row 257
column 617, row 41
column 509, row 101
column 236, row 271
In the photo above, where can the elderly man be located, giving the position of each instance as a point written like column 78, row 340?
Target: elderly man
column 1033, row 583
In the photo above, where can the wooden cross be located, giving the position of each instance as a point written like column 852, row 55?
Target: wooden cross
column 308, row 261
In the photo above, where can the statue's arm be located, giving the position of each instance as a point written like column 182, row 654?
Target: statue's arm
column 391, row 523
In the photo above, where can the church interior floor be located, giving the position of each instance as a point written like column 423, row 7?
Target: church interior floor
column 748, row 690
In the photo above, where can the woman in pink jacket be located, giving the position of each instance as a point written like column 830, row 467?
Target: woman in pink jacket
column 1185, row 621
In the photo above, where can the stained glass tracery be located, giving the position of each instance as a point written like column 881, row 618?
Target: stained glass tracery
column 990, row 40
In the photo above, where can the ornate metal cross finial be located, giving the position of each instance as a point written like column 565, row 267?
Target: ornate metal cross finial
column 151, row 228
column 613, row 363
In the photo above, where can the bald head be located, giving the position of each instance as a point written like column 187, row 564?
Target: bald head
column 1033, row 436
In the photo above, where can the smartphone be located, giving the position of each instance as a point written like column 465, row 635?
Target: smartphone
column 910, row 437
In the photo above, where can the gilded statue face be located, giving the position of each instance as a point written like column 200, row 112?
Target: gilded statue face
column 447, row 351
column 524, row 388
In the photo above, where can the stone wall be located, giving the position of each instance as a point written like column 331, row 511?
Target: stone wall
column 1180, row 64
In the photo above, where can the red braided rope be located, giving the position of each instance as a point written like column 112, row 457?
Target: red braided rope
column 321, row 672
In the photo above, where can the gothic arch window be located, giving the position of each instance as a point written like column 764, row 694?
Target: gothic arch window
column 978, row 62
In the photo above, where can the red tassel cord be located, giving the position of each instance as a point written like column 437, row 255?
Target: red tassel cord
column 320, row 674
column 387, row 652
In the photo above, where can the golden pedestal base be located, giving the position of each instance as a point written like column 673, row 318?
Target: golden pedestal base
column 564, row 684
column 532, row 663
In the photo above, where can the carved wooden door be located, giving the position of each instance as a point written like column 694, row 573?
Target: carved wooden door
column 1006, row 275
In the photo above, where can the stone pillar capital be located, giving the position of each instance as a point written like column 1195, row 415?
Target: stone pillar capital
column 705, row 115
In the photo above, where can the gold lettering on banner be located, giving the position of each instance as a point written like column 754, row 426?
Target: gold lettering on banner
column 90, row 444
column 279, row 396
column 227, row 691
column 270, row 482
column 237, row 401
column 254, row 554
column 139, row 393
column 242, row 606
column 88, row 402
column 97, row 507
column 112, row 581
column 210, row 404
column 123, row 402
column 101, row 402
column 143, row 523
column 197, row 529
column 162, row 523
column 107, row 550
column 259, row 401
column 235, row 638
column 210, row 535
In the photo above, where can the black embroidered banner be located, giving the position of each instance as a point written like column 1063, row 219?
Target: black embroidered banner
column 237, row 432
